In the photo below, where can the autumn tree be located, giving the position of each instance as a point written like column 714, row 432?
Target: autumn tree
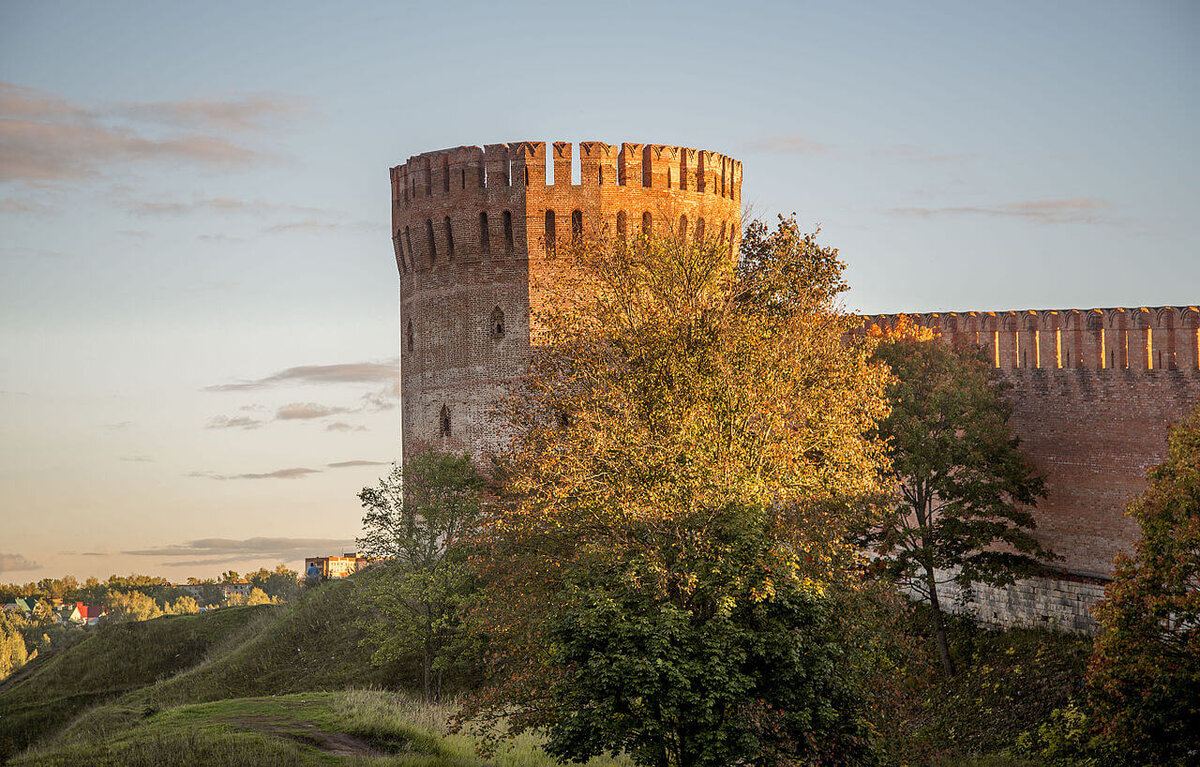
column 1143, row 682
column 965, row 489
column 416, row 517
column 670, row 539
column 13, row 652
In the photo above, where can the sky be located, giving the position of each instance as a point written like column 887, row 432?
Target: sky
column 198, row 295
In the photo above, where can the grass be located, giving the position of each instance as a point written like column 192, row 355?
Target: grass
column 357, row 727
column 109, row 662
column 1009, row 681
column 311, row 645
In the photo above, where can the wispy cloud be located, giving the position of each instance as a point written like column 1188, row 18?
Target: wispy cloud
column 47, row 139
column 351, row 372
column 299, row 411
column 13, row 205
column 234, row 114
column 343, row 426
column 791, row 143
column 914, row 153
column 298, row 472
column 236, row 422
column 209, row 551
column 1086, row 210
column 223, row 205
column 10, row 563
column 348, row 464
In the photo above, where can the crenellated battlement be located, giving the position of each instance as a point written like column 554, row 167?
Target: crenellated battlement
column 1121, row 338
column 459, row 206
column 468, row 171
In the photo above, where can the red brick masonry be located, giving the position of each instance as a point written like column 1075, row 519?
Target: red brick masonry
column 1093, row 392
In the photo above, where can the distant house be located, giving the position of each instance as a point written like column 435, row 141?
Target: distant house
column 338, row 567
column 241, row 589
column 81, row 614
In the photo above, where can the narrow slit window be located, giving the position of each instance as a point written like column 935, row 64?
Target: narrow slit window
column 408, row 245
column 485, row 244
column 428, row 178
column 621, row 226
column 496, row 324
column 551, row 237
column 445, row 174
column 449, row 237
column 699, row 231
column 408, row 336
column 576, row 227
column 432, row 241
column 647, row 224
column 400, row 250
column 463, row 171
column 508, row 232
column 444, row 421
column 683, row 228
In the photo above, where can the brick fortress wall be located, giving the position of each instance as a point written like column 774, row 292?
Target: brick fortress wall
column 1093, row 393
column 473, row 228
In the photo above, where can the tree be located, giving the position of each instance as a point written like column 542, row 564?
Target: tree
column 13, row 652
column 670, row 543
column 131, row 606
column 965, row 489
column 416, row 517
column 1143, row 681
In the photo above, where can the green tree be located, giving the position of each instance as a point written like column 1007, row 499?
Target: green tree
column 131, row 606
column 13, row 652
column 415, row 517
column 669, row 547
column 1143, row 682
column 965, row 488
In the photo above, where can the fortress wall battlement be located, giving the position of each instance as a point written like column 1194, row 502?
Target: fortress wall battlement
column 1093, row 394
column 474, row 234
column 1139, row 338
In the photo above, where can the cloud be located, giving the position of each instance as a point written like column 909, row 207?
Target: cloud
column 343, row 426
column 353, row 372
column 13, row 205
column 298, row 472
column 237, row 422
column 791, row 143
column 347, row 464
column 305, row 225
column 13, row 562
column 208, row 551
column 914, row 153
column 223, row 205
column 47, row 139
column 297, row 411
column 245, row 113
column 385, row 399
column 1066, row 211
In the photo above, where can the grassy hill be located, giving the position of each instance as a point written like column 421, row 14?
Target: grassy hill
column 110, row 662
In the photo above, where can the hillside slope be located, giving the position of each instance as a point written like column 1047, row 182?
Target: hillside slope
column 110, row 662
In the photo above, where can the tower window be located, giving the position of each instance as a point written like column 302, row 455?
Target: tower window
column 683, row 228
column 621, row 226
column 647, row 223
column 432, row 242
column 449, row 237
column 550, row 235
column 485, row 244
column 508, row 232
column 496, row 324
column 576, row 227
column 408, row 336
column 699, row 231
column 444, row 421
column 445, row 174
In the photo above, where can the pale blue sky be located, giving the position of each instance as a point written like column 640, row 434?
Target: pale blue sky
column 195, row 195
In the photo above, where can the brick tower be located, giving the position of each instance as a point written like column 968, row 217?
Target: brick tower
column 471, row 228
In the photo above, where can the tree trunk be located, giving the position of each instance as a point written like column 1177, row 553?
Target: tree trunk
column 939, row 624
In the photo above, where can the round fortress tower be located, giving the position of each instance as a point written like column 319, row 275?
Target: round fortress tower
column 472, row 225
